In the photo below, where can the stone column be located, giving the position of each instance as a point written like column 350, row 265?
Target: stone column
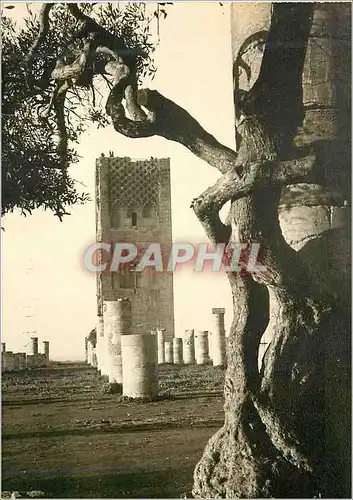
column 30, row 361
column 201, row 347
column 86, row 350
column 189, row 347
column 160, row 346
column 16, row 362
column 46, row 351
column 94, row 357
column 8, row 361
column 89, row 352
column 117, row 322
column 168, row 352
column 100, row 344
column 210, row 343
column 219, row 338
column 22, row 360
column 139, row 365
column 178, row 351
column 41, row 360
column 34, row 346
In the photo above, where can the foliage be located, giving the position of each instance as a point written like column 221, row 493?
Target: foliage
column 32, row 174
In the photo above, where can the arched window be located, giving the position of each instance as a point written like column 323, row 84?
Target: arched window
column 134, row 219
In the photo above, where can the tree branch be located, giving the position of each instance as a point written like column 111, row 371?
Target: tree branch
column 164, row 117
column 168, row 120
column 43, row 30
column 215, row 229
column 255, row 176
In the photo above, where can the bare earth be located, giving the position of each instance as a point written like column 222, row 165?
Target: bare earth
column 65, row 435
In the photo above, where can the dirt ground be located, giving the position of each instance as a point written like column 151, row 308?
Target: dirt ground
column 63, row 433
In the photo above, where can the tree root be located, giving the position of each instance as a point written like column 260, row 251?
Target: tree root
column 242, row 461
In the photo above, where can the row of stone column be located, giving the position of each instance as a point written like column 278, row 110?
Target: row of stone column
column 11, row 361
column 200, row 347
column 132, row 360
column 125, row 358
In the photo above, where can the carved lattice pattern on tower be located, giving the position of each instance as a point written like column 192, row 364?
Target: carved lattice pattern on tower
column 132, row 186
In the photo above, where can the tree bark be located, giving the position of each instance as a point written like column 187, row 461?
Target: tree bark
column 274, row 442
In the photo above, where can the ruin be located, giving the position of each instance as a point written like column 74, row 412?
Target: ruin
column 139, row 365
column 178, row 351
column 133, row 205
column 160, row 346
column 46, row 351
column 168, row 352
column 34, row 346
column 201, row 347
column 117, row 320
column 219, row 357
column 100, row 345
column 7, row 361
column 189, row 347
column 17, row 361
column 90, row 348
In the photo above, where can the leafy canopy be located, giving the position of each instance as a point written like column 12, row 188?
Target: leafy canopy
column 32, row 173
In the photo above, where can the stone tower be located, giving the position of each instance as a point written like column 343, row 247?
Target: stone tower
column 133, row 205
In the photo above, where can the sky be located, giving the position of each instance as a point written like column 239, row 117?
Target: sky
column 46, row 291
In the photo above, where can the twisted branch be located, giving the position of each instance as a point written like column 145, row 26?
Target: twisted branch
column 163, row 117
column 254, row 176
column 43, row 30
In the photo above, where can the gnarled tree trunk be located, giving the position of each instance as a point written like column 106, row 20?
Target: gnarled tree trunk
column 280, row 437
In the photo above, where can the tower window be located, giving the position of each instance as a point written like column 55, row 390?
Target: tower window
column 134, row 219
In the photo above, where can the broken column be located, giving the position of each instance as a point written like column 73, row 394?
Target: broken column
column 178, row 351
column 34, row 346
column 189, row 347
column 117, row 322
column 100, row 344
column 41, row 360
column 168, row 352
column 19, row 361
column 89, row 352
column 86, row 350
column 210, row 341
column 219, row 338
column 160, row 346
column 22, row 360
column 201, row 347
column 94, row 357
column 16, row 362
column 8, row 361
column 45, row 345
column 139, row 365
column 32, row 361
